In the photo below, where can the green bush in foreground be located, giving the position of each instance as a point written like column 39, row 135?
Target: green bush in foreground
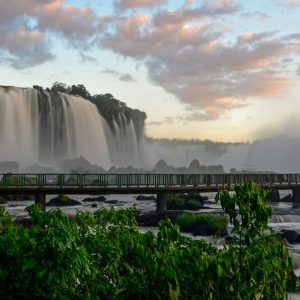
column 104, row 256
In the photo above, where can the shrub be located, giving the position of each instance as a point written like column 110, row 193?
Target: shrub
column 187, row 220
column 174, row 201
column 63, row 198
column 190, row 201
column 193, row 204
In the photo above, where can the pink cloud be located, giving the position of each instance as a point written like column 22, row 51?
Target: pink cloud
column 129, row 4
column 186, row 53
column 25, row 46
column 292, row 4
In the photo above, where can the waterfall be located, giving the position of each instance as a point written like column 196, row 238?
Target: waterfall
column 39, row 127
column 124, row 145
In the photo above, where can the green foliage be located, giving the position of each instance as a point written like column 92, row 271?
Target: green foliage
column 249, row 214
column 216, row 223
column 184, row 201
column 63, row 198
column 193, row 204
column 174, row 201
column 104, row 256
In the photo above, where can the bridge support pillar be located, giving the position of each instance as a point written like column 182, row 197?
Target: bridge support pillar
column 161, row 202
column 40, row 198
column 296, row 196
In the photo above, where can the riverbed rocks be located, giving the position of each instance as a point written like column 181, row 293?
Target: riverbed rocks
column 290, row 236
column 94, row 199
column 65, row 201
column 112, row 201
column 206, row 230
column 288, row 198
column 152, row 218
column 145, row 197
column 273, row 196
column 2, row 201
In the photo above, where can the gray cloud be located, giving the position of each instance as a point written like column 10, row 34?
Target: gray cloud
column 110, row 71
column 298, row 71
column 87, row 58
column 123, row 77
column 257, row 15
column 126, row 77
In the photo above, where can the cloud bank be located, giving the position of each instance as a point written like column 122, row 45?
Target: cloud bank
column 190, row 51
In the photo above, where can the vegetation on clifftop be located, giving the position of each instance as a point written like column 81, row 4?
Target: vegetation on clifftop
column 109, row 107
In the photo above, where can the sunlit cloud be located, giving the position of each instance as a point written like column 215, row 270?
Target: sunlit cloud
column 129, row 4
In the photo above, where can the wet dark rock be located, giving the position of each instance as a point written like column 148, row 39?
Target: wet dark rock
column 143, row 197
column 288, row 198
column 94, row 205
column 112, row 201
column 94, row 199
column 209, row 201
column 25, row 221
column 273, row 196
column 206, row 230
column 2, row 201
column 228, row 238
column 290, row 235
column 152, row 218
column 58, row 202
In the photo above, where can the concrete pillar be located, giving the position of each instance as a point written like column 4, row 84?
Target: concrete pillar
column 161, row 202
column 40, row 198
column 296, row 196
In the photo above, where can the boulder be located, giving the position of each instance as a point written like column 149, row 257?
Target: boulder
column 94, row 199
column 152, row 218
column 288, row 198
column 143, row 197
column 112, row 201
column 94, row 205
column 58, row 201
column 290, row 235
column 273, row 196
column 2, row 201
column 206, row 230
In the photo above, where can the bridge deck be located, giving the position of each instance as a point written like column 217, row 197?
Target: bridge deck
column 137, row 183
column 42, row 184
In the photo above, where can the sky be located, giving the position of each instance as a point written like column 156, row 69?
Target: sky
column 224, row 70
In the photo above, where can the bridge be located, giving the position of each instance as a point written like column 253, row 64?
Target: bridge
column 41, row 185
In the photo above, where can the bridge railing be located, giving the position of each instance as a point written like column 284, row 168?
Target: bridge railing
column 142, row 180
